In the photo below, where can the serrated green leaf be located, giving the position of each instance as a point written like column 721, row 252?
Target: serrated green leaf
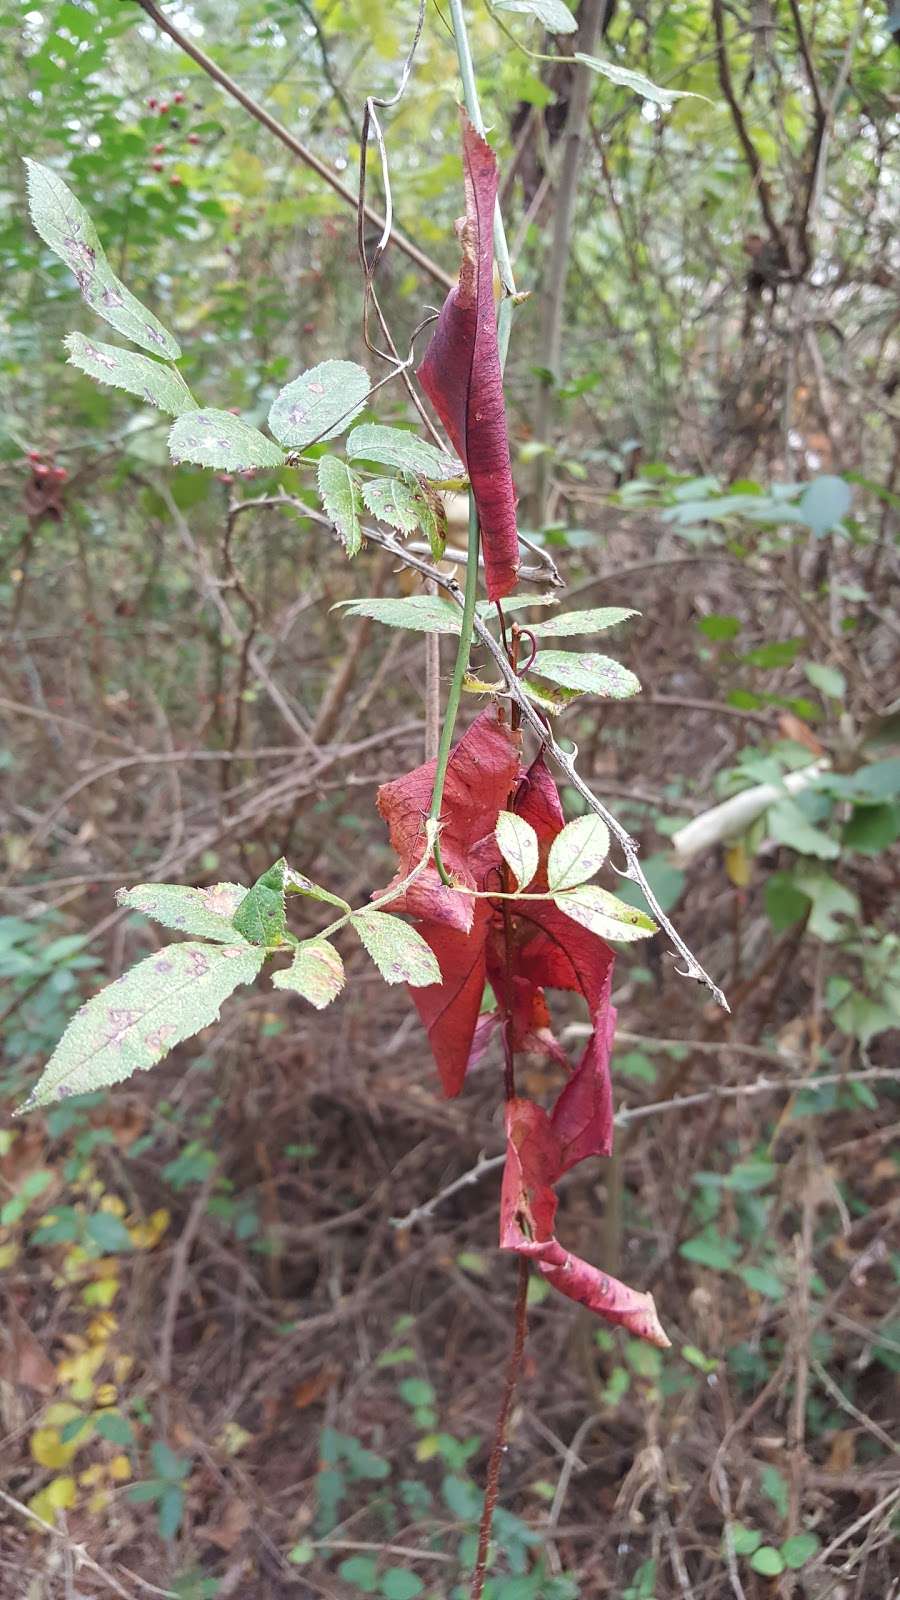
column 212, row 438
column 518, row 844
column 432, row 515
column 588, row 674
column 206, row 913
column 572, row 622
column 342, row 501
column 549, row 697
column 397, row 447
column 316, row 972
column 108, row 1233
column 710, row 1249
column 604, row 914
column 67, row 229
column 424, row 613
column 111, row 1425
column 319, row 404
column 296, row 883
column 577, row 852
column 260, row 917
column 154, row 382
column 625, row 78
column 553, row 16
column 391, row 501
column 137, row 1020
column 398, row 950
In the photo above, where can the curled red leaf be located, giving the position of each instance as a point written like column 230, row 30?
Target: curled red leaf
column 534, row 1162
column 461, row 374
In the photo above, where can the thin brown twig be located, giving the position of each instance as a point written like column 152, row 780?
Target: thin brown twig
column 498, row 1449
column 301, row 151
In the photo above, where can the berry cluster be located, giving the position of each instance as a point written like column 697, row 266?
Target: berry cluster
column 44, row 471
column 162, row 108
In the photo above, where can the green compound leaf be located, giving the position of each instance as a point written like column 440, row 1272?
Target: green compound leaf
column 65, row 226
column 207, row 913
column 397, row 447
column 392, row 501
column 341, row 500
column 553, row 16
column 152, row 381
column 217, row 439
column 319, row 404
column 260, row 916
column 626, row 79
column 589, row 674
column 604, row 914
column 518, row 844
column 134, row 1022
column 570, row 622
column 577, row 852
column 398, row 951
column 316, row 972
column 424, row 613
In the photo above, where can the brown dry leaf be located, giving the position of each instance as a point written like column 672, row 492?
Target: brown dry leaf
column 793, row 727
column 842, row 1455
column 23, row 1361
column 225, row 1534
column 306, row 1394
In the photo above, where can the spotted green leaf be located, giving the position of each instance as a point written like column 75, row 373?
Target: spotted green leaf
column 316, row 972
column 134, row 1022
column 518, row 844
column 604, row 914
column 342, row 502
column 154, row 382
column 217, row 439
column 65, row 226
column 392, row 501
column 577, row 852
column 424, row 613
column 398, row 951
column 206, row 913
column 397, row 447
column 569, row 622
column 260, row 916
column 589, row 674
column 319, row 404
column 296, row 883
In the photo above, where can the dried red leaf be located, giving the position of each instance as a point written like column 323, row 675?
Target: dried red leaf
column 461, row 373
column 534, row 1162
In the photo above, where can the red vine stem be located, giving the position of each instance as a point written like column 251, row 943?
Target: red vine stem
column 498, row 1449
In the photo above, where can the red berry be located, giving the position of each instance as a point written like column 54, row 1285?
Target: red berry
column 309, row 327
column 158, row 149
column 175, row 181
column 225, row 477
column 35, row 455
column 163, row 107
column 60, row 474
column 157, row 166
column 193, row 138
column 235, row 410
column 41, row 469
column 178, row 98
column 152, row 105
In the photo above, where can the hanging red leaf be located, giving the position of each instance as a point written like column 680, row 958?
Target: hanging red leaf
column 461, row 374
column 534, row 1162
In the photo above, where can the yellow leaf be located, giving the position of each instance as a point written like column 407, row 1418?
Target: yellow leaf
column 738, row 865
column 9, row 1254
column 120, row 1468
column 61, row 1412
column 107, row 1394
column 48, row 1449
column 102, row 1292
column 92, row 1475
column 98, row 1502
column 122, row 1366
column 58, row 1496
column 114, row 1205
column 100, row 1328
column 233, row 1438
column 427, row 1447
column 146, row 1235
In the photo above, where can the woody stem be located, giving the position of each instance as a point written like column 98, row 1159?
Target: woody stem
column 498, row 1449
